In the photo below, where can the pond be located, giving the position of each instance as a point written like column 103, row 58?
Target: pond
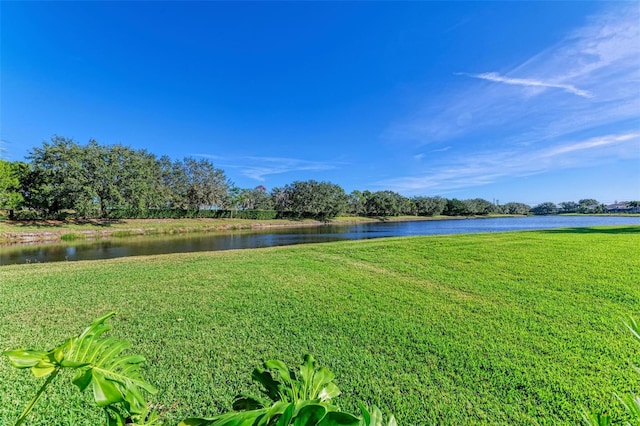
column 139, row 246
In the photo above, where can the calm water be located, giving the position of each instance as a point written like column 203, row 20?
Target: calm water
column 139, row 246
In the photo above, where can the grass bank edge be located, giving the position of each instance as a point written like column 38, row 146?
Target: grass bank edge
column 14, row 232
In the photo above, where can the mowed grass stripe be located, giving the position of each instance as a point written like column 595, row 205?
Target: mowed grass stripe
column 521, row 327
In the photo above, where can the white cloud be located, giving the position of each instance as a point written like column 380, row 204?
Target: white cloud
column 443, row 149
column 590, row 144
column 601, row 59
column 492, row 76
column 259, row 168
column 490, row 166
column 526, row 122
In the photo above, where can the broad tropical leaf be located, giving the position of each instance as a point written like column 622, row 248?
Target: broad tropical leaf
column 99, row 364
column 339, row 418
column 20, row 358
column 113, row 378
column 374, row 418
column 300, row 397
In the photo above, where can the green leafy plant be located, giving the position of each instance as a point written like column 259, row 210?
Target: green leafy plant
column 631, row 403
column 115, row 379
column 71, row 237
column 301, row 397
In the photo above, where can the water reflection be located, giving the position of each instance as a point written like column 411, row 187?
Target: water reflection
column 138, row 246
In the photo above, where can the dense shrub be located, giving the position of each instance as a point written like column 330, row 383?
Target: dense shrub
column 27, row 215
column 190, row 213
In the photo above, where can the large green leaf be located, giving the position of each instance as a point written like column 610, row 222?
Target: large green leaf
column 366, row 417
column 21, row 358
column 339, row 418
column 310, row 415
column 243, row 403
column 113, row 378
column 300, row 397
column 328, row 392
column 270, row 385
column 273, row 413
column 317, row 382
column 306, row 374
column 43, row 368
column 99, row 363
column 242, row 418
column 105, row 391
column 374, row 418
column 285, row 418
column 309, row 382
column 287, row 384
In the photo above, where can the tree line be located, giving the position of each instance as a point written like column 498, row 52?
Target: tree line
column 114, row 181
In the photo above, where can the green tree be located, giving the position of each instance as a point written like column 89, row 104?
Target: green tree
column 102, row 184
column 280, row 200
column 96, row 179
column 320, row 200
column 515, row 208
column 114, row 177
column 456, row 207
column 545, row 209
column 142, row 177
column 10, row 196
column 55, row 180
column 261, row 198
column 357, row 203
column 386, row 203
column 569, row 207
column 235, row 199
column 207, row 186
column 429, row 206
column 174, row 183
column 255, row 199
column 588, row 205
column 480, row 206
column 407, row 206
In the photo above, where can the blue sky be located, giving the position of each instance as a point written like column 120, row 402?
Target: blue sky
column 513, row 101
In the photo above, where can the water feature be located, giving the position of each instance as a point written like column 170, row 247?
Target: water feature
column 139, row 246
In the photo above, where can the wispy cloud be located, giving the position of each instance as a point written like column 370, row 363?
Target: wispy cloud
column 443, row 149
column 457, row 25
column 599, row 142
column 493, row 76
column 488, row 167
column 582, row 89
column 259, row 168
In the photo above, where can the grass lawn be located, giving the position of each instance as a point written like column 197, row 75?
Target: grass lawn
column 510, row 328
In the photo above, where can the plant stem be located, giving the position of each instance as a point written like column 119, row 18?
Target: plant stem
column 29, row 407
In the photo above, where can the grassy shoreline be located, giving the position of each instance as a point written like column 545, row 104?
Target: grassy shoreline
column 502, row 328
column 12, row 232
column 48, row 231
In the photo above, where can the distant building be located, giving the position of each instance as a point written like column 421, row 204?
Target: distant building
column 623, row 207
